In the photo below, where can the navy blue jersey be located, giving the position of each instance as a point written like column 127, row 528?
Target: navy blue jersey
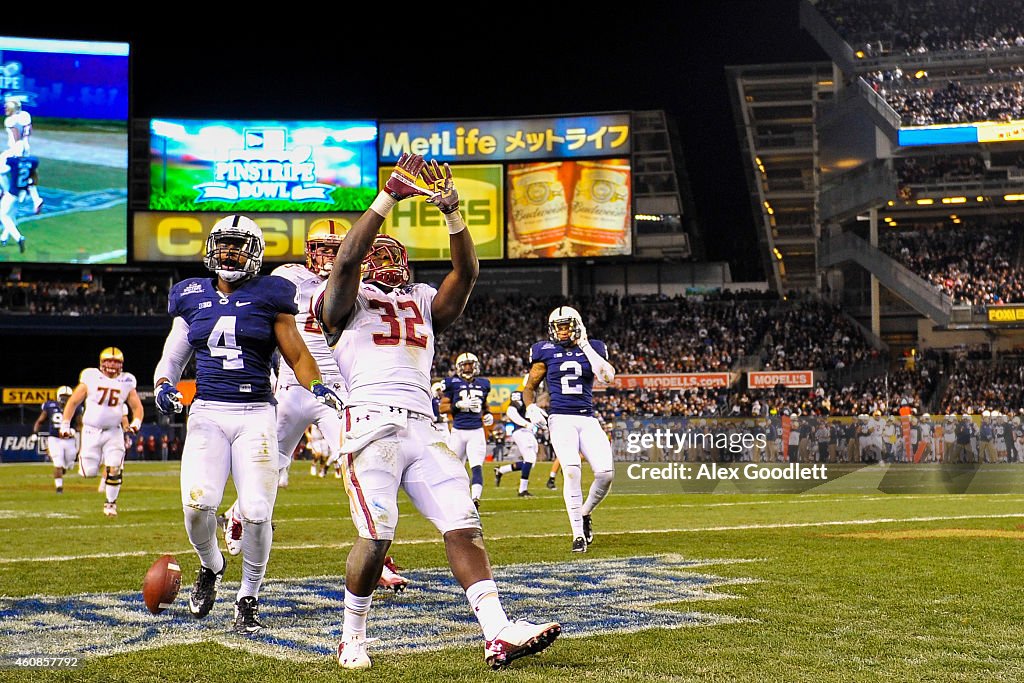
column 458, row 389
column 232, row 335
column 569, row 378
column 55, row 415
column 435, row 404
column 22, row 169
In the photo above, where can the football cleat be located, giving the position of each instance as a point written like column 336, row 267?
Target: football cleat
column 390, row 579
column 312, row 470
column 519, row 639
column 579, row 545
column 588, row 529
column 247, row 616
column 60, row 489
column 110, row 509
column 476, row 502
column 204, row 590
column 21, row 244
column 551, row 483
column 282, row 478
column 352, row 652
column 525, row 494
column 497, row 477
column 231, row 525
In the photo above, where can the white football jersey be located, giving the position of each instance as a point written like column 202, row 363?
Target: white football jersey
column 103, row 404
column 19, row 127
column 387, row 347
column 306, row 285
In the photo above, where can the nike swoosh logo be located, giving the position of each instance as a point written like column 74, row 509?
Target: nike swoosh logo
column 242, row 303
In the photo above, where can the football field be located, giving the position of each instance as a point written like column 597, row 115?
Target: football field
column 695, row 587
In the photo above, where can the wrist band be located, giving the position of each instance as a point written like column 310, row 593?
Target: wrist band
column 383, row 204
column 455, row 222
column 314, row 383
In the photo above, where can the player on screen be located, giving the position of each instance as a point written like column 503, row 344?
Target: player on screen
column 232, row 323
column 382, row 327
column 104, row 390
column 465, row 398
column 18, row 124
column 568, row 362
column 523, row 436
column 62, row 449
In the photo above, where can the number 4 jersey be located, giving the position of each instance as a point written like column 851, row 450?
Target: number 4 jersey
column 387, row 346
column 569, row 378
column 232, row 335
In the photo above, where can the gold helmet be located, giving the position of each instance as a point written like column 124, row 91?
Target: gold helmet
column 111, row 361
column 323, row 236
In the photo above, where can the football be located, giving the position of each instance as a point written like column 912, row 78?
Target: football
column 161, row 585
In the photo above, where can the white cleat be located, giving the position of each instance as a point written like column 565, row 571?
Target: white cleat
column 352, row 653
column 519, row 639
column 282, row 479
column 110, row 509
column 390, row 579
column 231, row 525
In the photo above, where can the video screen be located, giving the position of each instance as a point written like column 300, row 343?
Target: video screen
column 64, row 157
column 262, row 166
column 421, row 227
column 561, row 209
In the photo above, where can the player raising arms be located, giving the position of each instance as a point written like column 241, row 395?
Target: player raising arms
column 382, row 330
column 465, row 397
column 104, row 390
column 232, row 323
column 524, row 439
column 62, row 450
column 568, row 364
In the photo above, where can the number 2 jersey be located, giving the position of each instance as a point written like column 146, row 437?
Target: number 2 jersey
column 569, row 378
column 232, row 335
column 386, row 348
column 306, row 284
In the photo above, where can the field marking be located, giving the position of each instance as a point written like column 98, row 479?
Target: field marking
column 915, row 534
column 512, row 537
column 11, row 514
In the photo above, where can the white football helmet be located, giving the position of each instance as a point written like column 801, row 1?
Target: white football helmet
column 64, row 393
column 472, row 361
column 565, row 315
column 437, row 388
column 234, row 249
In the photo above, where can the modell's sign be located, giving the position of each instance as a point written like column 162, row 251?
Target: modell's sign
column 791, row 379
column 691, row 380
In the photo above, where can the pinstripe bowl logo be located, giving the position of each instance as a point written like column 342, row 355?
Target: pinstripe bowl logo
column 303, row 617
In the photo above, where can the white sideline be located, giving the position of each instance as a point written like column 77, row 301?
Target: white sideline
column 419, row 541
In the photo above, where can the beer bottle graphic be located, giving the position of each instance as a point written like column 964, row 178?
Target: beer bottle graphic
column 539, row 210
column 600, row 213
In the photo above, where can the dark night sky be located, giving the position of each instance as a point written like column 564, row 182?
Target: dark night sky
column 547, row 59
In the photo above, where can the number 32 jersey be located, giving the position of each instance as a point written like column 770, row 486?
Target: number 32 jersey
column 232, row 335
column 569, row 378
column 387, row 346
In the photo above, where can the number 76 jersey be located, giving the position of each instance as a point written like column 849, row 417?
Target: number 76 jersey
column 386, row 349
column 569, row 378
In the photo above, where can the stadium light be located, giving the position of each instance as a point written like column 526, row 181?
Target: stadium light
column 925, row 202
column 954, row 200
column 1013, row 197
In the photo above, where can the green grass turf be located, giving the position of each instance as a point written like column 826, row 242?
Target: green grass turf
column 936, row 599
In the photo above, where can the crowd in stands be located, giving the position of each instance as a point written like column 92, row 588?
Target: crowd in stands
column 914, row 27
column 115, row 295
column 920, row 170
column 814, row 335
column 973, row 264
column 957, row 102
column 977, row 386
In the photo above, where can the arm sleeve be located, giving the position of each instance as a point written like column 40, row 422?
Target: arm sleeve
column 176, row 353
column 595, row 352
column 513, row 415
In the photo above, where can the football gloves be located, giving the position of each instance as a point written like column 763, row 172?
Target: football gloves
column 168, row 399
column 581, row 335
column 402, row 181
column 439, row 179
column 536, row 415
column 469, row 405
column 487, row 419
column 324, row 394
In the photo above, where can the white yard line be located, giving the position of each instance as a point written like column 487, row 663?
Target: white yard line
column 512, row 537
